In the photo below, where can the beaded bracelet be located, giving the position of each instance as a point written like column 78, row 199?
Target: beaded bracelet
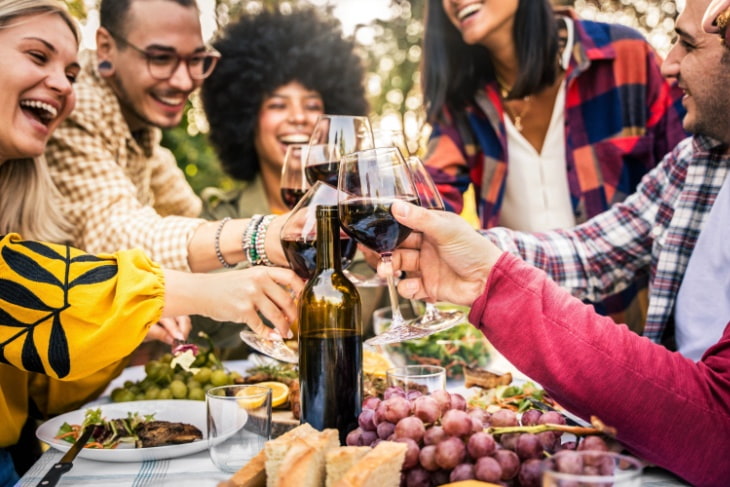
column 248, row 239
column 218, row 252
column 261, row 240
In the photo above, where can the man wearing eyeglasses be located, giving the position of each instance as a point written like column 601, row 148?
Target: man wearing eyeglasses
column 120, row 188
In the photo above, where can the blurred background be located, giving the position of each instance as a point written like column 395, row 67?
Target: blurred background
column 388, row 33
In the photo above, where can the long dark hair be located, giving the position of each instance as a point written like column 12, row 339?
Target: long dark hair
column 452, row 71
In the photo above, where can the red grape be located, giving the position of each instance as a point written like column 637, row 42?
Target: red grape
column 504, row 417
column 395, row 408
column 463, row 471
column 417, row 477
column 427, row 408
column 481, row 445
column 528, row 446
column 450, row 452
column 458, row 402
column 434, row 435
column 443, row 398
column 487, row 469
column 427, row 458
column 366, row 418
column 393, row 391
column 385, row 429
column 410, row 427
column 509, row 461
column 371, row 402
column 411, row 454
column 531, row 417
column 456, row 422
column 530, row 473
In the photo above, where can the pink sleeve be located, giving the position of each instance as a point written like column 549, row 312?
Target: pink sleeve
column 667, row 409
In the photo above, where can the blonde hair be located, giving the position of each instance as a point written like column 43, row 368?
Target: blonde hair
column 28, row 198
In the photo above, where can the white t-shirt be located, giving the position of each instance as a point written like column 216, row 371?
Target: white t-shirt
column 703, row 302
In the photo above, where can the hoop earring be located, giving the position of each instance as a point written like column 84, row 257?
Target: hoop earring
column 105, row 66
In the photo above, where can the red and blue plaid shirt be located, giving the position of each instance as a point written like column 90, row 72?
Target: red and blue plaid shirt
column 654, row 230
column 621, row 118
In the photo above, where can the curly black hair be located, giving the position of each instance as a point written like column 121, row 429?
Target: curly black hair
column 263, row 52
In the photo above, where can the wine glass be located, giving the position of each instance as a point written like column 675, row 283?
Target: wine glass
column 332, row 137
column 293, row 183
column 385, row 137
column 369, row 182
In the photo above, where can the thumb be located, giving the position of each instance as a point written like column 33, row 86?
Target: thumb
column 413, row 216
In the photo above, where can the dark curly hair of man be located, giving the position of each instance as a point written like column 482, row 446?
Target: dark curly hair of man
column 262, row 52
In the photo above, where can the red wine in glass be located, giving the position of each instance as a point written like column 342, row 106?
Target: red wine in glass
column 326, row 172
column 291, row 196
column 302, row 254
column 370, row 222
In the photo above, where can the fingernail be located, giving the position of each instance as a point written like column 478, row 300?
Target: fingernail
column 179, row 335
column 399, row 208
column 409, row 287
column 289, row 335
column 275, row 335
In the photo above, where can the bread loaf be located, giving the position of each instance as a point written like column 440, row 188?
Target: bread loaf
column 339, row 460
column 304, row 462
column 380, row 467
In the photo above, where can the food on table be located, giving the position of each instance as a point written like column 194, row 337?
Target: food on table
column 515, row 397
column 447, row 441
column 455, row 348
column 279, row 392
column 140, row 431
column 307, row 457
column 161, row 433
column 375, row 363
column 175, row 377
column 485, row 379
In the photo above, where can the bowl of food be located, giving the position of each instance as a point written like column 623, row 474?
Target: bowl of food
column 455, row 348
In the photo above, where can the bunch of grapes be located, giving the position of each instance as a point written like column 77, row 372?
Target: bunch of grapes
column 448, row 442
column 162, row 381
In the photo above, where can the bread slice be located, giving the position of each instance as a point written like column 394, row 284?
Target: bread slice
column 304, row 463
column 339, row 460
column 275, row 450
column 381, row 467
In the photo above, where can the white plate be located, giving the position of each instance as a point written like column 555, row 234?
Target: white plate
column 178, row 411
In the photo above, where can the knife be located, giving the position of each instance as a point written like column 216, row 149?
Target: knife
column 54, row 474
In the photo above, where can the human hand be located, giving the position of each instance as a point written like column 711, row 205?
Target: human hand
column 171, row 329
column 238, row 296
column 710, row 20
column 451, row 260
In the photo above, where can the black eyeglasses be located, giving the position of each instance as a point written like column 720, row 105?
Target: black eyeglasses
column 162, row 64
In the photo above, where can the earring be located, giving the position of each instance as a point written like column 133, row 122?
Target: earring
column 105, row 66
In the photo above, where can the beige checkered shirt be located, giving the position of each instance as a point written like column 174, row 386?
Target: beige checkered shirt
column 119, row 191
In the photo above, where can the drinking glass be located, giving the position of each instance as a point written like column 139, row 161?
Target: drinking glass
column 293, row 182
column 239, row 423
column 385, row 137
column 569, row 468
column 422, row 378
column 369, row 182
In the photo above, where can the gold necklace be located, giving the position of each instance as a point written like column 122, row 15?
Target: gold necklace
column 504, row 91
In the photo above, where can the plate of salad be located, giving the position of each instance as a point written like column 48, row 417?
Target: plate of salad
column 122, row 418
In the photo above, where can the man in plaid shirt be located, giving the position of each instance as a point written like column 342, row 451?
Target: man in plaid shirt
column 674, row 227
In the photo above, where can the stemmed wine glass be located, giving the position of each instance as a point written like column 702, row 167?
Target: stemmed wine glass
column 293, row 183
column 369, row 182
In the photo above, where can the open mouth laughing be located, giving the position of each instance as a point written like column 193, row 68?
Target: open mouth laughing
column 44, row 112
column 468, row 11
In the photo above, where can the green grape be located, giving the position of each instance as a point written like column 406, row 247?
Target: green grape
column 152, row 393
column 151, row 366
column 122, row 395
column 219, row 378
column 128, row 384
column 196, row 394
column 194, row 384
column 139, row 397
column 203, row 375
column 166, row 358
column 165, row 393
column 235, row 376
column 179, row 389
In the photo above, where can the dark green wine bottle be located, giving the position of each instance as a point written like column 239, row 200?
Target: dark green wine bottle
column 330, row 337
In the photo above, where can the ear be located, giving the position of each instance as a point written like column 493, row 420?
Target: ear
column 105, row 49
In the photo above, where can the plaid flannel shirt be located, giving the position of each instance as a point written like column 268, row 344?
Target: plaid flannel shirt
column 120, row 191
column 654, row 230
column 621, row 118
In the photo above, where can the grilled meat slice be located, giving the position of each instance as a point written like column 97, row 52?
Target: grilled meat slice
column 160, row 433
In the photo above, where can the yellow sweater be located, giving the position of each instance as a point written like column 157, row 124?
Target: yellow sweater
column 70, row 316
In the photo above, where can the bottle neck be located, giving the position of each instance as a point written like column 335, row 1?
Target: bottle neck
column 328, row 240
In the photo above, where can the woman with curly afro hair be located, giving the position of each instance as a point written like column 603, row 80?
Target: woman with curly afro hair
column 278, row 72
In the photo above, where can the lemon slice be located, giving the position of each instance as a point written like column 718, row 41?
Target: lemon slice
column 250, row 399
column 279, row 392
column 375, row 363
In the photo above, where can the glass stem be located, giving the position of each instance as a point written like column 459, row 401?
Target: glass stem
column 392, row 291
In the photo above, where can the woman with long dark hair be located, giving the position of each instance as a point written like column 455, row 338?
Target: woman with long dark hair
column 551, row 118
